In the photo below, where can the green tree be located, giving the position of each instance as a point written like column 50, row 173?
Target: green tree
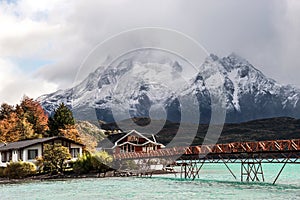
column 55, row 157
column 62, row 118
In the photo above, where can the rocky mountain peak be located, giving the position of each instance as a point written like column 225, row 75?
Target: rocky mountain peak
column 137, row 84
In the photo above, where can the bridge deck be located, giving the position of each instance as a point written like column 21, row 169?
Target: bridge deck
column 273, row 149
column 251, row 155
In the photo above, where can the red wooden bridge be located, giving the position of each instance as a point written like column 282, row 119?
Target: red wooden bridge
column 251, row 155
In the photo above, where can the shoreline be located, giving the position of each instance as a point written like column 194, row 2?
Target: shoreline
column 62, row 177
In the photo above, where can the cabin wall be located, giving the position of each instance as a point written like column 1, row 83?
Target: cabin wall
column 117, row 150
column 15, row 156
column 36, row 151
column 138, row 149
column 37, row 147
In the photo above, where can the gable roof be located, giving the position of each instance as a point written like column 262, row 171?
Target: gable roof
column 109, row 141
column 131, row 132
column 112, row 140
column 28, row 143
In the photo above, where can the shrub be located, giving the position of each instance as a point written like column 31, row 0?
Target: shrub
column 129, row 165
column 101, row 161
column 19, row 169
column 89, row 162
column 83, row 164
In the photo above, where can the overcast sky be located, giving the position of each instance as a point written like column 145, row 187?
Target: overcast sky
column 42, row 43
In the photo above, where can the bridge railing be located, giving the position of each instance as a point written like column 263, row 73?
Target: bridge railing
column 234, row 147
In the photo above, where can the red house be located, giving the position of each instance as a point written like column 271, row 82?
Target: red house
column 131, row 141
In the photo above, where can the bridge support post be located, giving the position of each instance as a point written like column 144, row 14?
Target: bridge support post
column 252, row 171
column 229, row 170
column 191, row 170
column 279, row 173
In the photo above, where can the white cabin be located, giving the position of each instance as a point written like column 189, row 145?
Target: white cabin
column 29, row 150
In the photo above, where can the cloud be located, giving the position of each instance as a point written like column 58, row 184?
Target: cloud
column 15, row 84
column 267, row 33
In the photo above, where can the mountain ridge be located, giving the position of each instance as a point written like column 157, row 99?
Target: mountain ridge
column 248, row 93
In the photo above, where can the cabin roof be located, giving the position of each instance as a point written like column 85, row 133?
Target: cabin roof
column 109, row 141
column 27, row 143
column 112, row 139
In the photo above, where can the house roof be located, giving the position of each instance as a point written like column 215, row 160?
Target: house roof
column 112, row 140
column 27, row 143
column 150, row 138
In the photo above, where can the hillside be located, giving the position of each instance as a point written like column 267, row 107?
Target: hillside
column 90, row 134
column 257, row 130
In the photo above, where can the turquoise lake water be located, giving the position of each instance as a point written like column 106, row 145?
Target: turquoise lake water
column 215, row 182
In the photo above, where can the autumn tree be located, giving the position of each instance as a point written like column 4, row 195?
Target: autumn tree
column 70, row 132
column 34, row 114
column 9, row 128
column 6, row 110
column 25, row 121
column 13, row 128
column 25, row 130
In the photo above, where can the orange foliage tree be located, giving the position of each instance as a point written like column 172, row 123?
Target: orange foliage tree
column 69, row 131
column 34, row 114
column 25, row 121
column 8, row 129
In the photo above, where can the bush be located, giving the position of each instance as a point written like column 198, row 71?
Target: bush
column 19, row 169
column 90, row 162
column 83, row 164
column 101, row 161
column 129, row 165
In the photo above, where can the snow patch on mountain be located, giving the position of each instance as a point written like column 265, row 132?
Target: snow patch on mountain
column 143, row 83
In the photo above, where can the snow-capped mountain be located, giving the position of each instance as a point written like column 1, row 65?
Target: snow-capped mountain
column 157, row 85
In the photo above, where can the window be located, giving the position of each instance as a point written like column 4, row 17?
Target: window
column 3, row 156
column 75, row 152
column 9, row 155
column 32, row 154
column 20, row 155
column 133, row 138
column 126, row 148
column 149, row 147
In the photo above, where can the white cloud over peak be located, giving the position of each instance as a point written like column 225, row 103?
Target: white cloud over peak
column 267, row 33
